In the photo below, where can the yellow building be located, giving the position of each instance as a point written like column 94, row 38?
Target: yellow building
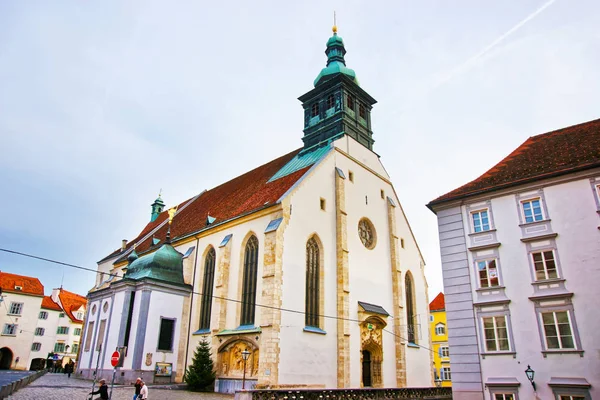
column 439, row 339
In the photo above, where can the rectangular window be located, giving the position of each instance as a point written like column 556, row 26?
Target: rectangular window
column 165, row 338
column 39, row 331
column 62, row 330
column 61, row 315
column 88, row 336
column 445, row 351
column 562, row 397
column 10, row 329
column 36, row 346
column 80, row 316
column 75, row 348
column 496, row 334
column 322, row 204
column 59, row 347
column 504, row 396
column 362, row 111
column 15, row 308
column 446, row 375
column 350, row 102
column 440, row 329
column 43, row 315
column 532, row 210
column 558, row 330
column 101, row 330
column 351, row 176
column 544, row 264
column 488, row 273
column 77, row 332
column 481, row 221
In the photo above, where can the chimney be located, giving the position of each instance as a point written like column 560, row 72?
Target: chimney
column 123, row 244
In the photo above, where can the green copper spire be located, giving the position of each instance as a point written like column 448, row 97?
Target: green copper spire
column 157, row 207
column 335, row 60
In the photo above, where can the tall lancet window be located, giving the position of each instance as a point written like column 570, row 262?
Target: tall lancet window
column 410, row 308
column 312, row 283
column 249, row 287
column 207, row 288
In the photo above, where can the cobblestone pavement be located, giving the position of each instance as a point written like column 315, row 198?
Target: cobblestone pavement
column 60, row 387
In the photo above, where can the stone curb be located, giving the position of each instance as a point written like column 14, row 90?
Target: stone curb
column 10, row 388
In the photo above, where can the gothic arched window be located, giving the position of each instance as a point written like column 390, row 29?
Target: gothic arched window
column 313, row 270
column 207, row 288
column 249, row 285
column 410, row 308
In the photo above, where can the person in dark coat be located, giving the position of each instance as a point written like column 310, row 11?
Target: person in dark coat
column 102, row 390
column 69, row 368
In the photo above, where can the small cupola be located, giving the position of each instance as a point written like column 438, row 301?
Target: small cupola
column 157, row 207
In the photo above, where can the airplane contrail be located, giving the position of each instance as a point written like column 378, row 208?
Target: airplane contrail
column 490, row 46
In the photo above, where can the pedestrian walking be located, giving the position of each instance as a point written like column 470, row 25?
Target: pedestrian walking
column 69, row 368
column 143, row 392
column 102, row 390
column 138, row 387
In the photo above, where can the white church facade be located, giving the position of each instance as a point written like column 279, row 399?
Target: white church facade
column 308, row 262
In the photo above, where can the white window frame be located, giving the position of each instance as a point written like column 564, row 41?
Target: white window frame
column 440, row 325
column 570, row 396
column 15, row 308
column 504, row 394
column 36, row 348
column 573, row 338
column 496, row 338
column 531, row 200
column 40, row 330
column 446, row 373
column 79, row 316
column 487, row 271
column 479, row 212
column 77, row 332
column 43, row 315
column 10, row 329
column 544, row 262
column 444, row 349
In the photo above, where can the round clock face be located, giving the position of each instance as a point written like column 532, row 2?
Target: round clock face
column 366, row 232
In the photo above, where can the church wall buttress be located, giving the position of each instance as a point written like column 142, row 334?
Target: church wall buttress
column 397, row 293
column 271, row 296
column 343, row 289
column 185, row 323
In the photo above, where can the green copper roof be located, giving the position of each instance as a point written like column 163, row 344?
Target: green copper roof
column 335, row 61
column 165, row 264
column 301, row 160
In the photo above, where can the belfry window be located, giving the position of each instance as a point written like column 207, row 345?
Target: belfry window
column 330, row 101
column 350, row 102
column 207, row 289
column 312, row 283
column 362, row 111
column 314, row 110
column 249, row 286
column 410, row 308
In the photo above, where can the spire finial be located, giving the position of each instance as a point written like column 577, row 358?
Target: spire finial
column 334, row 28
column 160, row 193
column 171, row 212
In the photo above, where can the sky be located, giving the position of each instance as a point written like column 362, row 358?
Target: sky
column 103, row 104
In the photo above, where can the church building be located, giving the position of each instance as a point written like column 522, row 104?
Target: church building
column 302, row 272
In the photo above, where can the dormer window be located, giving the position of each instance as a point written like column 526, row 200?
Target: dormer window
column 350, row 102
column 314, row 110
column 19, row 288
column 330, row 101
column 362, row 111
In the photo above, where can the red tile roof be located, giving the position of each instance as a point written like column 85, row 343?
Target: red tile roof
column 71, row 302
column 243, row 195
column 438, row 304
column 560, row 152
column 49, row 304
column 29, row 285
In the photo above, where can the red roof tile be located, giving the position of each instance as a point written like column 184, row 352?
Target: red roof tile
column 49, row 304
column 560, row 152
column 71, row 302
column 28, row 285
column 438, row 304
column 245, row 194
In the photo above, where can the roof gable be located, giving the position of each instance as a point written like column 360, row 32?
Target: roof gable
column 49, row 304
column 438, row 304
column 71, row 303
column 559, row 152
column 28, row 285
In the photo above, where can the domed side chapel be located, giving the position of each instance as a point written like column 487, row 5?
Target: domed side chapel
column 303, row 272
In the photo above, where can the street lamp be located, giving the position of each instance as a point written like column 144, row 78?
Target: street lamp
column 245, row 355
column 530, row 374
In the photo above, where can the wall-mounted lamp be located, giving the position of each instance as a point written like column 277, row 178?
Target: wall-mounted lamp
column 530, row 374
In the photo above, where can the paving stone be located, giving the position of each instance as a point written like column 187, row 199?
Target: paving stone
column 60, row 387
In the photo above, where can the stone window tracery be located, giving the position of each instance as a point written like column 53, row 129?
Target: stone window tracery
column 249, row 286
column 410, row 308
column 312, row 283
column 207, row 289
column 366, row 232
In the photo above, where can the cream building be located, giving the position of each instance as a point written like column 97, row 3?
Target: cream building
column 307, row 262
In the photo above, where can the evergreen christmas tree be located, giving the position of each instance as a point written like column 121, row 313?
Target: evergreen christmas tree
column 200, row 376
